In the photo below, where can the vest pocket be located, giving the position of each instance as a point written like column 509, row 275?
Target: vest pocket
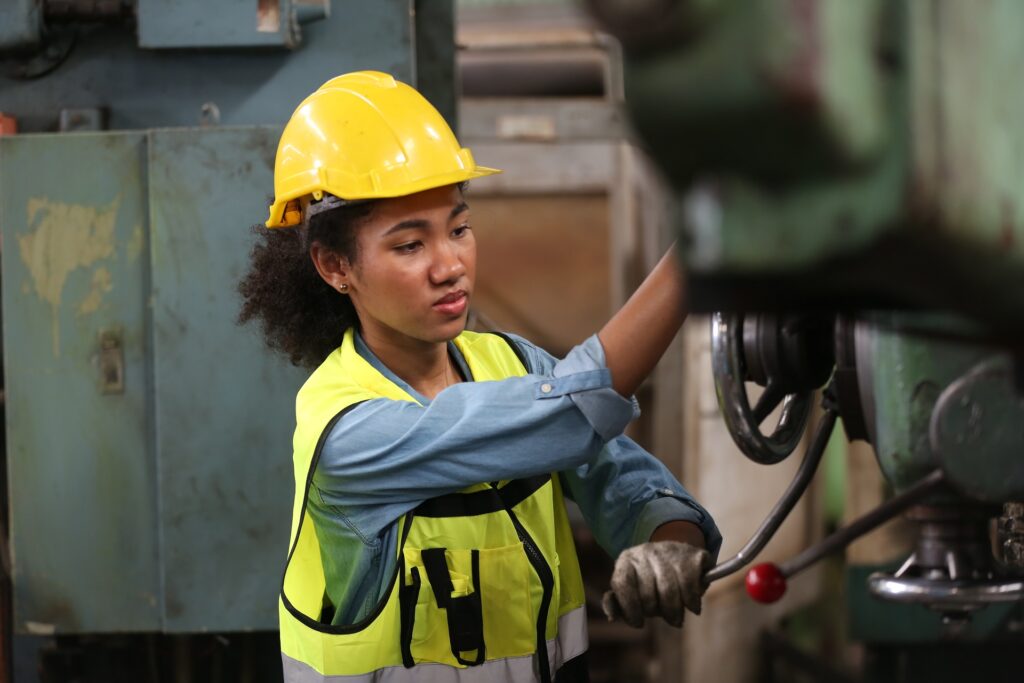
column 470, row 605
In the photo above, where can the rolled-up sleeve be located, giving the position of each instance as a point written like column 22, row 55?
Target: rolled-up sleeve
column 671, row 505
column 397, row 453
column 585, row 378
column 626, row 493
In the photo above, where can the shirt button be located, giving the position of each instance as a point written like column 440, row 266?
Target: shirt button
column 545, row 388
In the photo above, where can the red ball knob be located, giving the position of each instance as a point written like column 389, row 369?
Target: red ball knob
column 765, row 583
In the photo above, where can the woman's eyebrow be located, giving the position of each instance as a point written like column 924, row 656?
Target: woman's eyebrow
column 420, row 223
column 406, row 225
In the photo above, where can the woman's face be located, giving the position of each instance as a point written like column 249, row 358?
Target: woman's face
column 415, row 268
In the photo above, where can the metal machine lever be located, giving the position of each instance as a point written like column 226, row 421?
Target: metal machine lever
column 785, row 505
column 863, row 524
column 767, row 582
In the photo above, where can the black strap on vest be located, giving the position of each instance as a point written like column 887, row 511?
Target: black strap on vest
column 482, row 502
column 465, row 613
column 515, row 349
column 407, row 595
column 493, row 499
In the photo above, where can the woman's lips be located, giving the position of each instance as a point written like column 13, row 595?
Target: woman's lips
column 452, row 304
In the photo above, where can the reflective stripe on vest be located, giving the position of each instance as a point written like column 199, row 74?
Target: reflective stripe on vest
column 486, row 586
column 570, row 643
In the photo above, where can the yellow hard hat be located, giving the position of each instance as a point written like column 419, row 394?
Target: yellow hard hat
column 364, row 135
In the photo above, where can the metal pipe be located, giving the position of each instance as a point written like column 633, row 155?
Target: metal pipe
column 785, row 505
column 862, row 525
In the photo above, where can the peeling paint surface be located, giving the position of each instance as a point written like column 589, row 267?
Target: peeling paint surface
column 69, row 206
column 102, row 283
column 177, row 541
column 135, row 244
column 63, row 238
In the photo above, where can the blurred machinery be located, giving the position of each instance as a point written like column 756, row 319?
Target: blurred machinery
column 850, row 185
column 882, row 256
column 151, row 492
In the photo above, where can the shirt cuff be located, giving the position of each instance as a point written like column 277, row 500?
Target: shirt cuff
column 584, row 377
column 670, row 506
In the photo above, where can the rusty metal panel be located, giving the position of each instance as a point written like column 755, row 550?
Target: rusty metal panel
column 144, row 88
column 874, row 149
column 83, row 515
column 20, row 24
column 224, row 405
column 969, row 141
column 235, row 23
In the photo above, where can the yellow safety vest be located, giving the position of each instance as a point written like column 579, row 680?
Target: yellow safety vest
column 487, row 585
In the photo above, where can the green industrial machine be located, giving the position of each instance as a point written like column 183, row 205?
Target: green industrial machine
column 850, row 185
column 148, row 437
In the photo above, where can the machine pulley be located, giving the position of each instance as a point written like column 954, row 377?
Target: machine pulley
column 789, row 355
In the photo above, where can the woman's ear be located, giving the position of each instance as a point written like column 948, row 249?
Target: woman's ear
column 333, row 268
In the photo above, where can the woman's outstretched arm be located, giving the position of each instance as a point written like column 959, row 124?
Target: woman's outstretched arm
column 638, row 334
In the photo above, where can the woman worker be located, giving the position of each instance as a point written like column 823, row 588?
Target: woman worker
column 429, row 534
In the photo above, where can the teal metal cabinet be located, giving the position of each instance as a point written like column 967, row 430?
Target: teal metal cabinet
column 149, row 437
column 224, row 407
column 148, row 88
column 74, row 220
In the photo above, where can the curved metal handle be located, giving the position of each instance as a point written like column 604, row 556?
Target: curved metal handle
column 785, row 505
column 843, row 537
column 743, row 422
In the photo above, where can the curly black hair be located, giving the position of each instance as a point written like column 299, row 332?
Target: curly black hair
column 300, row 315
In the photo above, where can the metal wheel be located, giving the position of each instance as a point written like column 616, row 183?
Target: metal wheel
column 784, row 355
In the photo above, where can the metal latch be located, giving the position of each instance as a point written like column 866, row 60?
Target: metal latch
column 111, row 362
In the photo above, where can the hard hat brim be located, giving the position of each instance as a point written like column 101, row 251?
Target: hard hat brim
column 280, row 218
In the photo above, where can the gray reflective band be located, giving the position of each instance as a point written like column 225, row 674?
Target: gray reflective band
column 570, row 643
column 328, row 203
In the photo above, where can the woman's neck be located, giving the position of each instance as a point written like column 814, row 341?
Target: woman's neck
column 425, row 366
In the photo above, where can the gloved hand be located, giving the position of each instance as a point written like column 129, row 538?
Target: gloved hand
column 657, row 579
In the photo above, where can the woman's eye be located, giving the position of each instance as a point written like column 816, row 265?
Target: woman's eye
column 460, row 231
column 407, row 248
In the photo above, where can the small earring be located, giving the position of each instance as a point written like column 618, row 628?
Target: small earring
column 343, row 288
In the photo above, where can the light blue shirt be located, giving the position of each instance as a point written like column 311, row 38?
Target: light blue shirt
column 385, row 457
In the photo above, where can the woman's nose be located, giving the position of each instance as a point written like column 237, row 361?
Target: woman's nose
column 447, row 266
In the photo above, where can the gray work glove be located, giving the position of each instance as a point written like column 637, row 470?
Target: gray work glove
column 657, row 579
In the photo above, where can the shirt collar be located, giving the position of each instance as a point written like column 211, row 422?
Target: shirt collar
column 453, row 352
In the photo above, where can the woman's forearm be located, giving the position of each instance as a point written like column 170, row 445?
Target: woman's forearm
column 638, row 334
column 684, row 532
